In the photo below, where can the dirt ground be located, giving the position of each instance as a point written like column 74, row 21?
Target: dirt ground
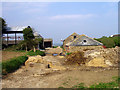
column 57, row 50
column 6, row 55
column 39, row 76
column 27, row 79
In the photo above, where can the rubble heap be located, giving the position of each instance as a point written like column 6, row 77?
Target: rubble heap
column 102, row 57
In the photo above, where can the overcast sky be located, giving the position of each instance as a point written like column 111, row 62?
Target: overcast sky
column 59, row 20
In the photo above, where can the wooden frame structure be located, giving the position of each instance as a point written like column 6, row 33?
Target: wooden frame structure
column 12, row 32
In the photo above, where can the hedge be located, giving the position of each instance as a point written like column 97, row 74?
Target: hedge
column 12, row 64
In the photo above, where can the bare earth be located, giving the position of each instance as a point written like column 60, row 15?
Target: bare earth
column 27, row 78
column 11, row 54
column 39, row 76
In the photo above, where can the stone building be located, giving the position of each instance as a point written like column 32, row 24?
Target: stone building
column 77, row 42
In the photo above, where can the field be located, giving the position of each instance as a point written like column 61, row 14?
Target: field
column 6, row 55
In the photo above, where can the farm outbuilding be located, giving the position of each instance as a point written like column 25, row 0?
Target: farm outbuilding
column 14, row 35
column 77, row 42
column 47, row 42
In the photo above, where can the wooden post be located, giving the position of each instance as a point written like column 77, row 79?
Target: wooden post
column 51, row 43
column 7, row 39
column 43, row 43
column 38, row 46
column 15, row 38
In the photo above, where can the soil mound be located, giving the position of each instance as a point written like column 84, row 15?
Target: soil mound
column 75, row 58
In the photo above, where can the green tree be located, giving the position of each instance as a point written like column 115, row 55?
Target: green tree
column 116, row 40
column 29, row 42
column 109, row 42
column 28, row 38
column 39, row 41
column 3, row 28
column 28, row 34
column 3, row 25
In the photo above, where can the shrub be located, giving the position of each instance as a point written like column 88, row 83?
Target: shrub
column 109, row 42
column 76, row 58
column 38, row 52
column 13, row 64
column 55, row 46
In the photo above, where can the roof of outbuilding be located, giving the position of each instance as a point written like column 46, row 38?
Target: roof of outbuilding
column 80, row 41
column 19, row 29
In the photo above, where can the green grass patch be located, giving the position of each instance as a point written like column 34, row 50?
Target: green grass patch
column 12, row 64
column 81, row 85
column 55, row 46
column 38, row 52
column 111, row 85
column 105, row 85
column 68, row 53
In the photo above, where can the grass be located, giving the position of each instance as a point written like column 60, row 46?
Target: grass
column 81, row 85
column 55, row 46
column 38, row 52
column 111, row 85
column 68, row 53
column 12, row 64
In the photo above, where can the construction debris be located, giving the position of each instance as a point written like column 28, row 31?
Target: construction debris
column 110, row 56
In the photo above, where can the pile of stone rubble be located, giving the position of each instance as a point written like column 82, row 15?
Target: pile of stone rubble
column 103, row 57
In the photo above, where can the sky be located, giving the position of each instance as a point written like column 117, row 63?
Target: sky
column 58, row 20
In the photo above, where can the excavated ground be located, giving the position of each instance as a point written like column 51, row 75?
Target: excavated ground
column 59, row 75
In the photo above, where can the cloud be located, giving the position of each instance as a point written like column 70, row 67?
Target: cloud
column 35, row 7
column 26, row 7
column 73, row 16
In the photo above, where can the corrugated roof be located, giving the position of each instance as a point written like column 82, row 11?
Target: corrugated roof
column 21, row 28
column 17, row 28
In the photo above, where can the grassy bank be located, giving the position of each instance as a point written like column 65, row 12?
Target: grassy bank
column 12, row 64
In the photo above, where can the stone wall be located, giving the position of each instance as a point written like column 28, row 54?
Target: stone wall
column 79, row 48
column 70, row 39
